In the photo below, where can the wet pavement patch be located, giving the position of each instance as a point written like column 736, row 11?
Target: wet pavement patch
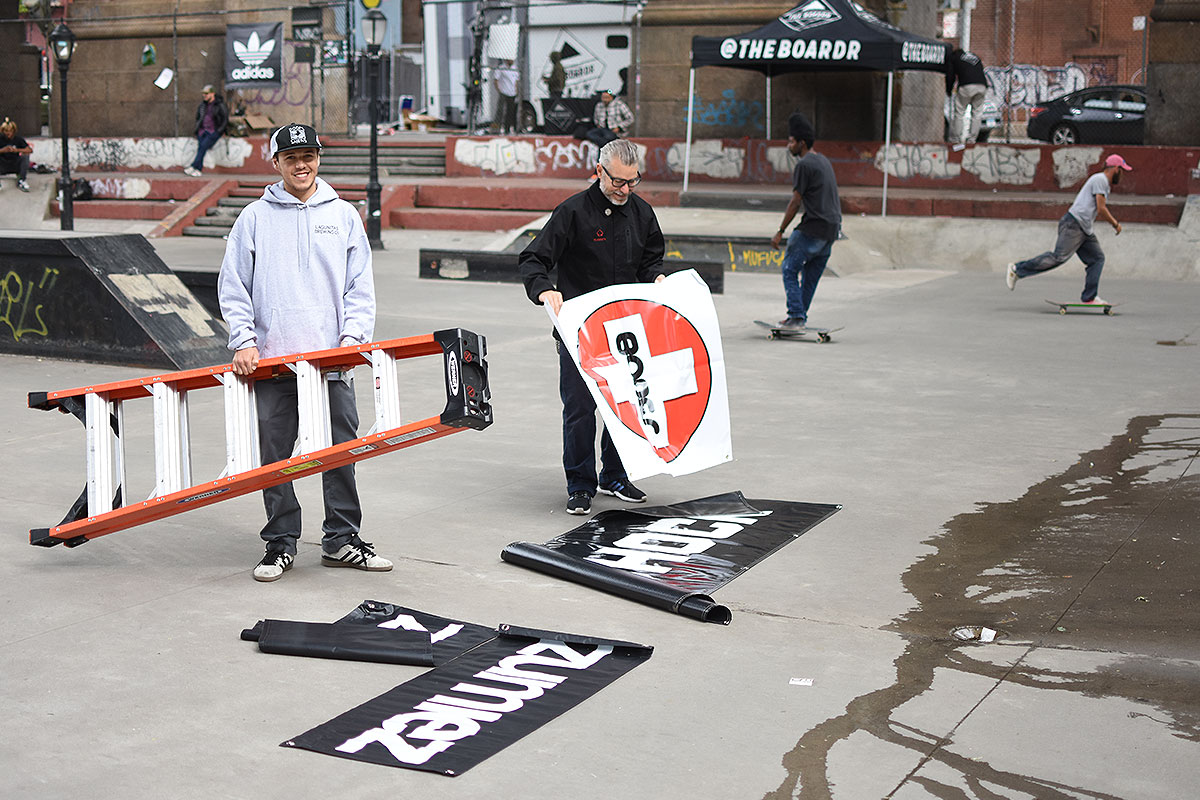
column 1101, row 558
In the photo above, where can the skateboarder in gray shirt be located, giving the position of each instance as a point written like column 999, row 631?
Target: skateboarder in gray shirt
column 1075, row 234
column 814, row 188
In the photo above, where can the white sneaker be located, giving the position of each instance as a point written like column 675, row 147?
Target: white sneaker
column 357, row 554
column 23, row 186
column 1096, row 301
column 273, row 565
column 1010, row 277
column 192, row 171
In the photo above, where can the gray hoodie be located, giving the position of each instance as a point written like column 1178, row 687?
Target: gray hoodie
column 297, row 276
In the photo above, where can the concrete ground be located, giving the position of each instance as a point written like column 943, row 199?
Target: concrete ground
column 999, row 466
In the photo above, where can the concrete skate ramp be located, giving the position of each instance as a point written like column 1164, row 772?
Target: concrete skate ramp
column 105, row 298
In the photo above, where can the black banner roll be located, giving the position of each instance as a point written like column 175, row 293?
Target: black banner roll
column 672, row 557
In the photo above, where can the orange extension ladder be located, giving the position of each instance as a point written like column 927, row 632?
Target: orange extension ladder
column 103, row 506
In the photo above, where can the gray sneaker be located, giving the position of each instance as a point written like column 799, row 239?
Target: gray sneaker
column 273, row 565
column 357, row 554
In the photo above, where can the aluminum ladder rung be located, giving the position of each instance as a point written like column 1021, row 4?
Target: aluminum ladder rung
column 312, row 402
column 387, row 391
column 172, row 445
column 241, row 425
column 105, row 451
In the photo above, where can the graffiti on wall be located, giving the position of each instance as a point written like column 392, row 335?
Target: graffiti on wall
column 709, row 157
column 1072, row 164
column 1032, row 84
column 21, row 301
column 999, row 164
column 504, row 156
column 121, row 188
column 112, row 155
column 917, row 160
column 295, row 92
column 729, row 112
column 989, row 163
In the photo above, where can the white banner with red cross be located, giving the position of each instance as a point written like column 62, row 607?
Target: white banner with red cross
column 651, row 355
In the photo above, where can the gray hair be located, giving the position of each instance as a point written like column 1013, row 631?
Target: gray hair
column 621, row 150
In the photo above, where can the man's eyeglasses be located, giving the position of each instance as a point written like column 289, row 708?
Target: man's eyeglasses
column 619, row 182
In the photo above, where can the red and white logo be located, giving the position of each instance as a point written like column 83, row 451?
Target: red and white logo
column 652, row 367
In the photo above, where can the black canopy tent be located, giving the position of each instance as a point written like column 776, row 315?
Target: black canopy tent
column 817, row 35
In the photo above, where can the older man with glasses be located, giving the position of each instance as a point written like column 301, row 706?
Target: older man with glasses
column 602, row 236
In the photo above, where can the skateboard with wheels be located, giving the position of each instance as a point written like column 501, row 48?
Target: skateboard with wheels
column 1107, row 308
column 823, row 334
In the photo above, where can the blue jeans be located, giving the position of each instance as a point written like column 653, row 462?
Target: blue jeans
column 1071, row 241
column 579, row 432
column 278, row 426
column 803, row 264
column 206, row 140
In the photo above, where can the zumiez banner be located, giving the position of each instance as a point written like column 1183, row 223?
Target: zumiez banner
column 455, row 716
column 254, row 55
column 672, row 557
column 650, row 353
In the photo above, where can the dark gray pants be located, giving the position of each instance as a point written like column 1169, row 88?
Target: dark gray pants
column 278, row 426
column 1071, row 241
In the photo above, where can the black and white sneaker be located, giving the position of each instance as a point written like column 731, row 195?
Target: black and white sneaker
column 357, row 554
column 579, row 503
column 273, row 565
column 624, row 490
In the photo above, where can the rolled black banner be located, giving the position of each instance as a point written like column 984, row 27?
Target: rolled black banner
column 672, row 557
column 629, row 585
column 346, row 642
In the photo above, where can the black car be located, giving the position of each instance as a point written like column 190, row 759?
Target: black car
column 1098, row 115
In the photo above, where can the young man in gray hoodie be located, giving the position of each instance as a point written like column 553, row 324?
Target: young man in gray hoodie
column 296, row 278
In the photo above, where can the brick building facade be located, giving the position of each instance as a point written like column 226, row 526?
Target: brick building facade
column 1057, row 46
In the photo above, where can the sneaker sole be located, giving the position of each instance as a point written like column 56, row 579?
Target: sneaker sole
column 264, row 579
column 578, row 512
column 620, row 496
column 333, row 562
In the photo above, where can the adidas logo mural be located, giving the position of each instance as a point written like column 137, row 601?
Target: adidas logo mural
column 252, row 57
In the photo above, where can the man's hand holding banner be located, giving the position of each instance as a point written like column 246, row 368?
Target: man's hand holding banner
column 651, row 355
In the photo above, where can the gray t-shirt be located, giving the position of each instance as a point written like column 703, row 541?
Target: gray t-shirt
column 1084, row 208
column 814, row 181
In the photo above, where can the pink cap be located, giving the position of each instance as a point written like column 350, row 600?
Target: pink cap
column 1116, row 161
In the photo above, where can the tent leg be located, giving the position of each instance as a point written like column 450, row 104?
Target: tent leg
column 768, row 136
column 687, row 150
column 887, row 141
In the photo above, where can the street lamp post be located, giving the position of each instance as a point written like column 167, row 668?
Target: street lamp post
column 62, row 42
column 374, row 26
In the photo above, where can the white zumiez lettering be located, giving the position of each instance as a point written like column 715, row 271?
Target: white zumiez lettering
column 670, row 540
column 443, row 719
column 810, row 49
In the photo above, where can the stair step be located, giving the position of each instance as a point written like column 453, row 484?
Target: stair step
column 460, row 219
column 214, row 233
column 534, row 198
column 118, row 209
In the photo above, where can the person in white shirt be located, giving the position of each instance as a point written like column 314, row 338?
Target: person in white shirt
column 505, row 79
column 1075, row 233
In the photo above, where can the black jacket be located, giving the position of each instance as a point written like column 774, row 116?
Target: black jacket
column 964, row 68
column 220, row 120
column 594, row 244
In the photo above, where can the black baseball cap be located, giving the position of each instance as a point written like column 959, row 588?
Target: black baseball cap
column 293, row 137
